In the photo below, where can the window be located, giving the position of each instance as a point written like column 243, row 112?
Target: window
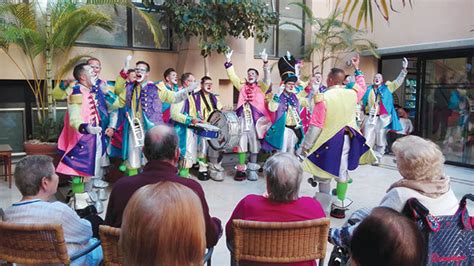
column 284, row 37
column 130, row 30
column 117, row 37
column 142, row 36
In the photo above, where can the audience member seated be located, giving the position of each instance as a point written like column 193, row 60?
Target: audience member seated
column 281, row 202
column 407, row 127
column 162, row 152
column 163, row 224
column 421, row 164
column 37, row 182
column 388, row 238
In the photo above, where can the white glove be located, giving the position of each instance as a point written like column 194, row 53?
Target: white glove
column 264, row 55
column 193, row 87
column 127, row 62
column 228, row 56
column 404, row 63
column 279, row 90
column 93, row 130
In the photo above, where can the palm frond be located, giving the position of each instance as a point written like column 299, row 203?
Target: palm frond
column 68, row 27
column 153, row 25
column 65, row 68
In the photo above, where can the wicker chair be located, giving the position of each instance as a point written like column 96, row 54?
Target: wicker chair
column 36, row 244
column 280, row 242
column 113, row 255
column 110, row 238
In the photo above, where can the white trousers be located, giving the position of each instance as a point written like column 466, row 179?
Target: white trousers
column 375, row 135
column 248, row 139
column 191, row 149
column 289, row 140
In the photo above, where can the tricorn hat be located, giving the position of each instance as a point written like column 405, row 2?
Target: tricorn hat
column 286, row 66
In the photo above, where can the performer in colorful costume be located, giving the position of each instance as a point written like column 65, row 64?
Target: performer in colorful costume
column 183, row 115
column 206, row 102
column 170, row 83
column 143, row 105
column 82, row 143
column 333, row 144
column 286, row 132
column 381, row 114
column 109, row 120
column 126, row 76
column 314, row 87
column 250, row 109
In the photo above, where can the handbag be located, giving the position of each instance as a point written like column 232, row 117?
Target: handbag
column 449, row 240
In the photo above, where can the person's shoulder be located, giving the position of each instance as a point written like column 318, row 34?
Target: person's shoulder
column 125, row 183
column 56, row 205
column 309, row 202
column 192, row 184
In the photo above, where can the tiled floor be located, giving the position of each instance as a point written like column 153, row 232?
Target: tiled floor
column 368, row 188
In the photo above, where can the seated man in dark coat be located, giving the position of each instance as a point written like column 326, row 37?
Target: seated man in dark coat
column 162, row 152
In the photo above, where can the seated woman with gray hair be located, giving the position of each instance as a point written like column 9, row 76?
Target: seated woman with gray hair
column 420, row 162
column 281, row 203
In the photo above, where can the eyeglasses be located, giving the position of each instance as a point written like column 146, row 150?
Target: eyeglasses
column 208, row 83
column 141, row 70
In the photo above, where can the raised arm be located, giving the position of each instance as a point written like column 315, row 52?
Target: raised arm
column 236, row 81
column 168, row 96
column 394, row 85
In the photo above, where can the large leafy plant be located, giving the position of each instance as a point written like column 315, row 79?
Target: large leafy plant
column 331, row 38
column 365, row 10
column 211, row 21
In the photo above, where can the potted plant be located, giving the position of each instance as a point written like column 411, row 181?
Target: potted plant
column 45, row 31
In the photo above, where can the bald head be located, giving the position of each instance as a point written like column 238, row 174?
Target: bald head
column 336, row 77
column 161, row 143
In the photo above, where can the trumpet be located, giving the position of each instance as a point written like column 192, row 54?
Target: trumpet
column 137, row 130
column 247, row 116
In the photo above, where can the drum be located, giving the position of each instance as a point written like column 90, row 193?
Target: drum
column 206, row 130
column 229, row 134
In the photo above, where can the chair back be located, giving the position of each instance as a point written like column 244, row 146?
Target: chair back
column 280, row 242
column 109, row 236
column 33, row 244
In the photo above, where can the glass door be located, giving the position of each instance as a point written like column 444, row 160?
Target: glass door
column 448, row 107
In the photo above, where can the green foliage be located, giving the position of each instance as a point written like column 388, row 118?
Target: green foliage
column 48, row 130
column 365, row 12
column 333, row 37
column 213, row 20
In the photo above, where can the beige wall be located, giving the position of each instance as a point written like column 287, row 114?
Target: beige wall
column 427, row 22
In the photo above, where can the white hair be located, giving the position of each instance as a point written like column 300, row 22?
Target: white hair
column 284, row 173
column 418, row 158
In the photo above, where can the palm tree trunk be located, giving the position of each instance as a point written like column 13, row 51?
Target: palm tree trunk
column 206, row 66
column 49, row 64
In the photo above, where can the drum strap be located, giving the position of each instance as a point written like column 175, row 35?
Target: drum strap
column 208, row 108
